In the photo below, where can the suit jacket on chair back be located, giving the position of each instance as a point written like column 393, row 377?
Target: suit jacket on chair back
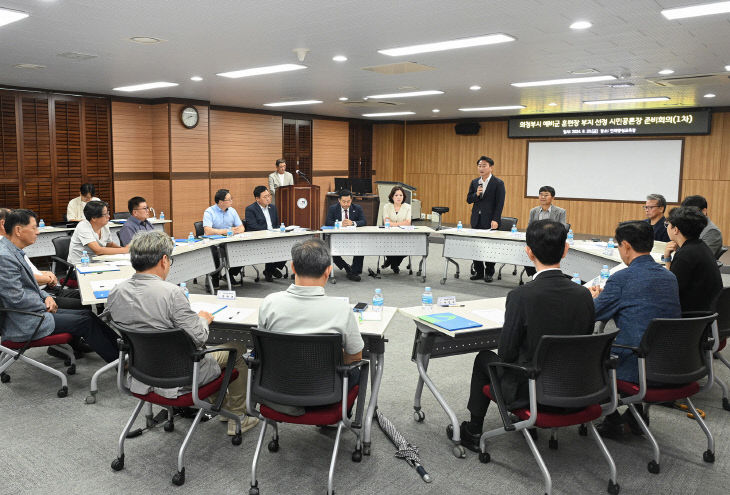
column 255, row 219
column 355, row 212
column 19, row 290
column 487, row 207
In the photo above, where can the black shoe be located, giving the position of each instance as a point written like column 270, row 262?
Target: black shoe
column 396, row 270
column 353, row 277
column 58, row 354
column 488, row 278
column 386, row 264
column 468, row 439
column 610, row 429
column 79, row 345
column 476, row 276
column 631, row 422
column 268, row 276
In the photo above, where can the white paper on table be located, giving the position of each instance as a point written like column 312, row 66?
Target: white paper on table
column 103, row 285
column 233, row 315
column 371, row 315
column 407, row 227
column 123, row 263
column 121, row 256
column 97, row 268
column 350, row 227
column 495, row 315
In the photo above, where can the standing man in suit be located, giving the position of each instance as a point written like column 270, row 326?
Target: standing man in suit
column 486, row 193
column 279, row 178
column 349, row 214
column 545, row 211
column 19, row 290
column 548, row 305
column 261, row 215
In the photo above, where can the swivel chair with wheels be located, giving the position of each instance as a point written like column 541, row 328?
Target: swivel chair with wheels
column 721, row 332
column 440, row 210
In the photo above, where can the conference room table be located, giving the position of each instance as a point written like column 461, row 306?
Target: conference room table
column 223, row 330
column 379, row 241
column 584, row 257
column 43, row 246
column 431, row 341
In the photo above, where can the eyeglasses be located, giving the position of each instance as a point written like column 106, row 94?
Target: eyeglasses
column 171, row 260
column 650, row 207
column 145, row 208
column 666, row 224
column 105, row 214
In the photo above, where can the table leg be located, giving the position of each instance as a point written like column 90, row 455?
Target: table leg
column 446, row 272
column 376, row 377
column 332, row 272
column 422, row 268
column 418, row 414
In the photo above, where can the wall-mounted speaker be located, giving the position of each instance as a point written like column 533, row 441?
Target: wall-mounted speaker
column 467, row 128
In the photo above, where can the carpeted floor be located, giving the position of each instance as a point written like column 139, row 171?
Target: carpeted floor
column 51, row 445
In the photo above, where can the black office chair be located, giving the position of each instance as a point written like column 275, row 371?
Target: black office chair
column 61, row 246
column 572, row 381
column 179, row 367
column 121, row 215
column 505, row 225
column 440, row 210
column 674, row 352
column 314, row 378
column 721, row 332
column 198, row 228
column 719, row 254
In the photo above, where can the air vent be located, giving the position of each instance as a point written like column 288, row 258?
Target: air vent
column 77, row 55
column 399, row 68
column 695, row 80
column 29, row 66
column 582, row 72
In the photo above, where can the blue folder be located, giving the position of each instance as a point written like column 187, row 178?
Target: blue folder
column 185, row 241
column 214, row 236
column 101, row 294
column 450, row 321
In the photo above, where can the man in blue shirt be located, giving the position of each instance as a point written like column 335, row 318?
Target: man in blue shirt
column 216, row 220
column 137, row 221
column 632, row 298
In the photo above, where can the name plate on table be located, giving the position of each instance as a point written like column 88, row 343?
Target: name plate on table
column 228, row 295
column 450, row 321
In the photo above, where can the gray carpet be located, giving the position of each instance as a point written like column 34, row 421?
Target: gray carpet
column 51, row 445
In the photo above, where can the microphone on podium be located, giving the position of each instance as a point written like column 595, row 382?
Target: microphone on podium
column 301, row 174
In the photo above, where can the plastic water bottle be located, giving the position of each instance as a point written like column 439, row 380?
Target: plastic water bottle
column 229, row 232
column 513, row 231
column 604, row 275
column 576, row 278
column 162, row 215
column 570, row 237
column 459, row 226
column 427, row 299
column 191, row 238
column 337, row 224
column 609, row 247
column 387, row 223
column 41, row 224
column 378, row 301
column 84, row 258
column 184, row 287
column 282, row 228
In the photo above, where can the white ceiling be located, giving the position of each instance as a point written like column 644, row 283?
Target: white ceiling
column 204, row 37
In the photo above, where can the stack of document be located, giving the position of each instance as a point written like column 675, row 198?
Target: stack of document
column 97, row 268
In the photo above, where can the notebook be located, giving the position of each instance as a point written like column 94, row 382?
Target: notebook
column 450, row 321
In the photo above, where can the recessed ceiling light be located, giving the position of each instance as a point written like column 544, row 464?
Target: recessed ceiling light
column 490, row 109
column 7, row 16
column 406, row 95
column 697, row 10
column 621, row 85
column 29, row 66
column 439, row 46
column 627, row 100
column 666, row 72
column 142, row 87
column 475, row 88
column 580, row 25
column 435, row 110
column 387, row 114
column 710, row 95
column 567, row 80
column 343, row 98
column 196, row 78
column 727, row 68
column 146, row 40
column 259, row 71
column 339, row 58
column 552, row 104
column 287, row 103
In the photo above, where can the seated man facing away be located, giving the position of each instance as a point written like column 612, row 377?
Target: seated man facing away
column 93, row 235
column 139, row 212
column 633, row 297
column 262, row 215
column 546, row 210
column 548, row 305
column 147, row 302
column 304, row 308
column 20, row 290
column 216, row 221
column 694, row 265
column 350, row 215
column 711, row 234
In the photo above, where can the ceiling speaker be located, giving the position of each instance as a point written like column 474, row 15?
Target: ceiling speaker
column 467, row 128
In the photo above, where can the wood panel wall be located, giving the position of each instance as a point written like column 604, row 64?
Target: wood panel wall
column 440, row 164
column 330, row 155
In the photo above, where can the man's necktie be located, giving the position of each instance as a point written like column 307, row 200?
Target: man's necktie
column 347, row 215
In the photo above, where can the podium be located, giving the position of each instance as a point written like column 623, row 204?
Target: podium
column 299, row 205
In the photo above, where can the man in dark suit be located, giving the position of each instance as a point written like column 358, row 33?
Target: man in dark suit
column 548, row 305
column 261, row 215
column 349, row 214
column 486, row 193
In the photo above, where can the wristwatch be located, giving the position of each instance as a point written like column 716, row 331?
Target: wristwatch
column 666, row 260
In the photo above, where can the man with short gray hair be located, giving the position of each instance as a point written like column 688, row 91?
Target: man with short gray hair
column 146, row 302
column 654, row 210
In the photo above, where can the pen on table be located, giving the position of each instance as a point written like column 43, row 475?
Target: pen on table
column 219, row 310
column 237, row 313
column 453, row 305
